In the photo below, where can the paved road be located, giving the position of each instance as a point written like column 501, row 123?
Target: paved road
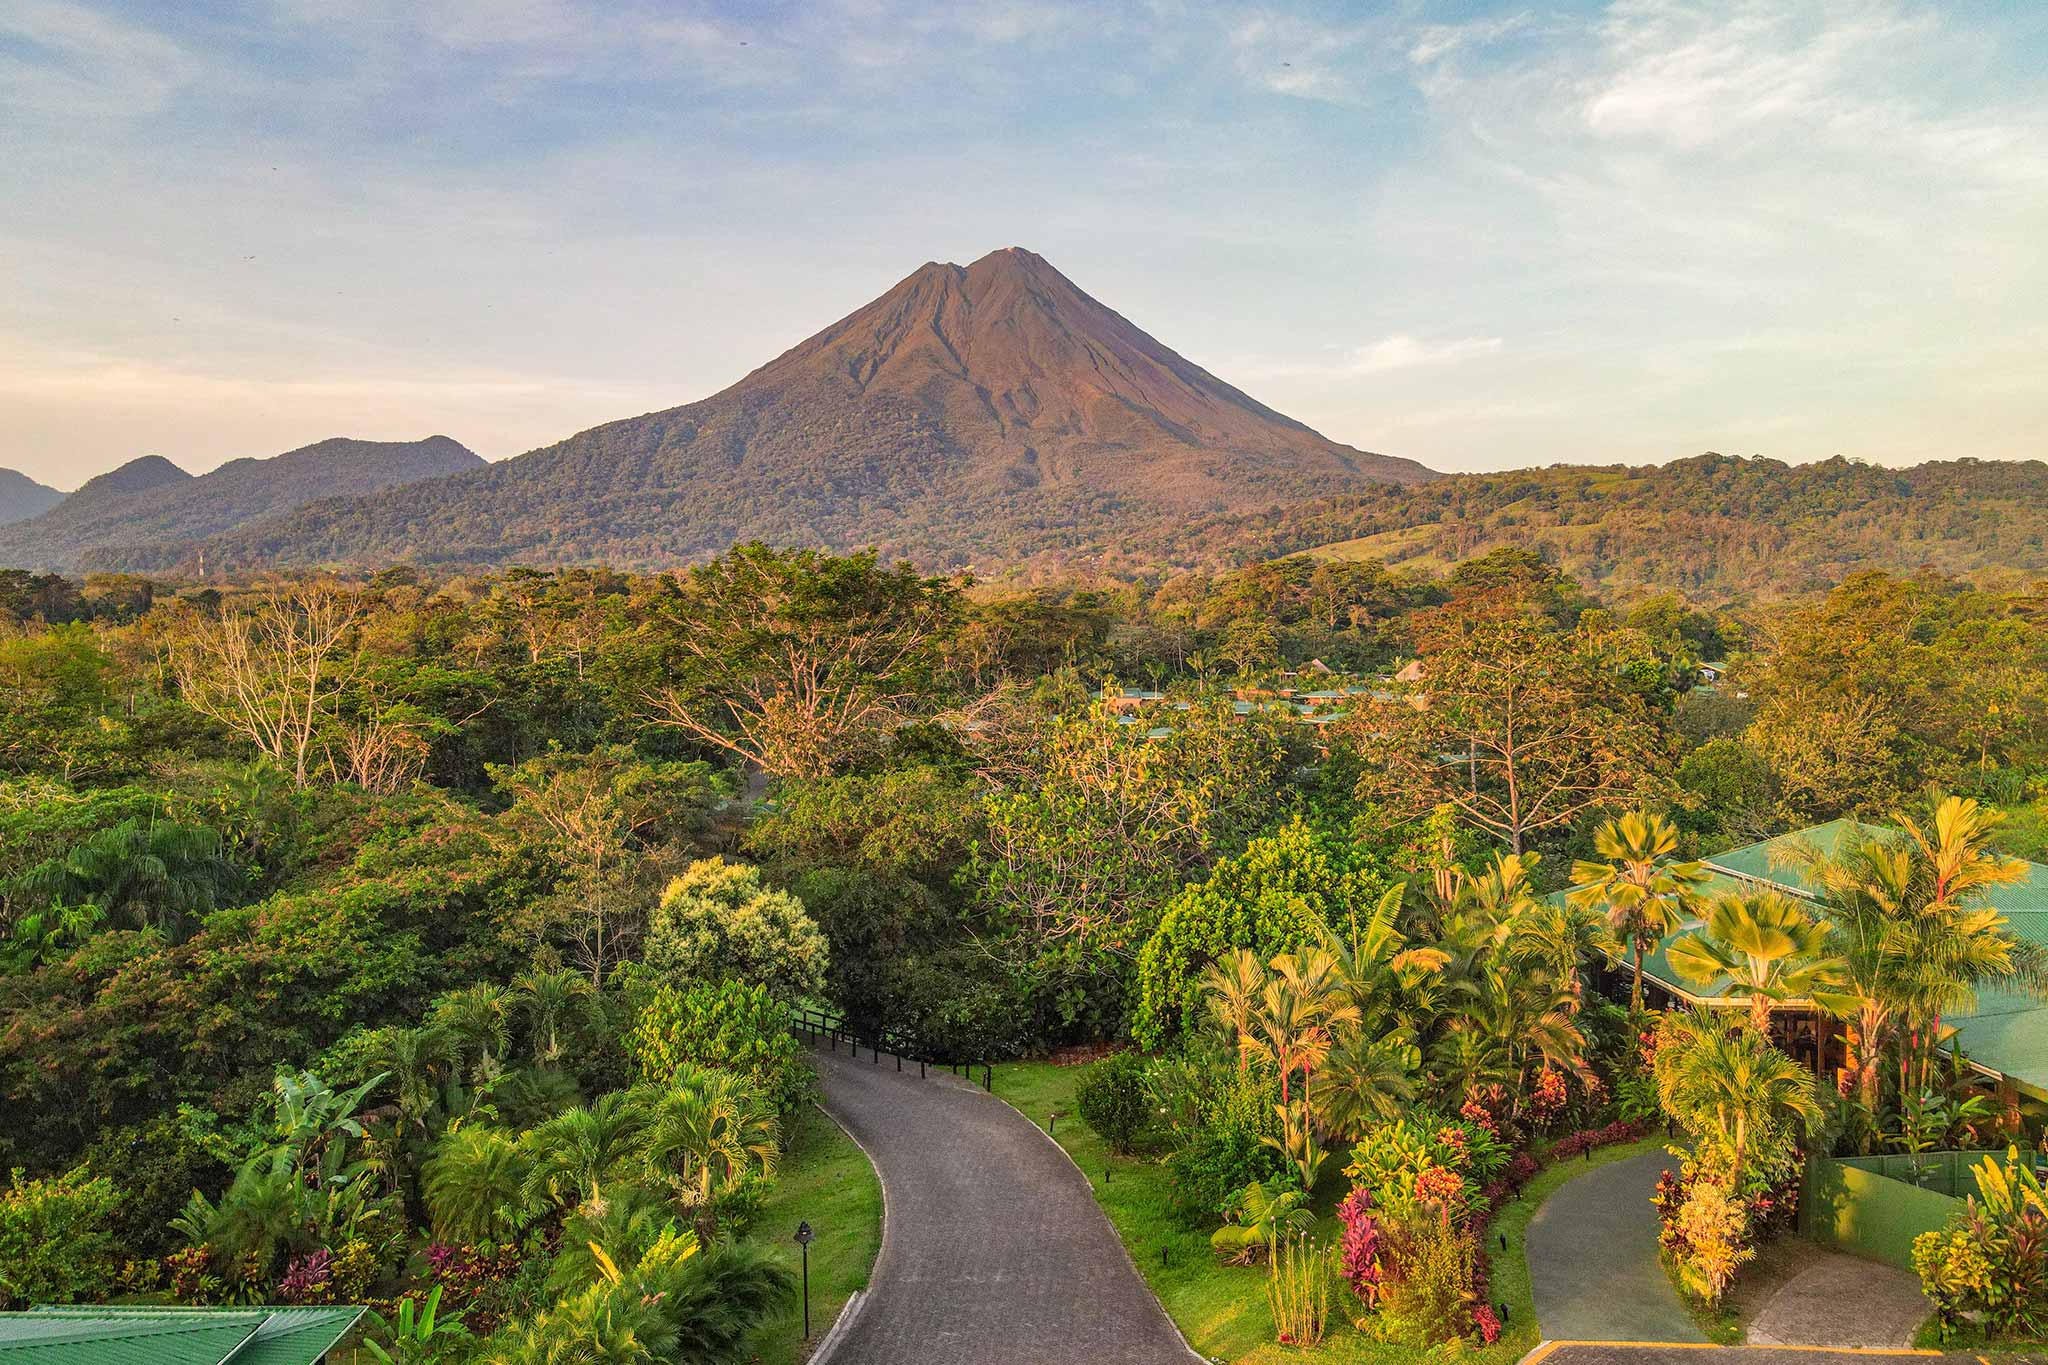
column 1840, row 1300
column 1565, row 1353
column 993, row 1249
column 1593, row 1265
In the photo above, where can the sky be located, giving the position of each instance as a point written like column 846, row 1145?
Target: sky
column 1480, row 236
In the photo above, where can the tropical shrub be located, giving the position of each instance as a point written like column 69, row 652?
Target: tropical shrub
column 1431, row 1266
column 1298, row 1287
column 1359, row 1251
column 1261, row 1216
column 726, row 1025
column 56, row 1242
column 718, row 919
column 1992, row 1258
column 1280, row 895
column 1714, row 1228
column 1112, row 1100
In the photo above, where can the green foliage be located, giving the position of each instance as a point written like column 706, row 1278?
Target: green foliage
column 1992, row 1258
column 718, row 920
column 56, row 1238
column 1283, row 893
column 1112, row 1100
column 726, row 1025
column 1261, row 1216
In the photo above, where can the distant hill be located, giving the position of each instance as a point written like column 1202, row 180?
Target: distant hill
column 1714, row 526
column 978, row 413
column 22, row 497
column 149, row 514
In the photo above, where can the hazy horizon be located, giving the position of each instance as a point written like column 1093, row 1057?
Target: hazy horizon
column 1478, row 236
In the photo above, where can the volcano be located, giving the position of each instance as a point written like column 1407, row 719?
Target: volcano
column 975, row 413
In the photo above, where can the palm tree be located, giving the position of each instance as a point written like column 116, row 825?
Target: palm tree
column 416, row 1060
column 1768, row 947
column 476, row 1184
column 578, row 1152
column 550, row 1003
column 1304, row 1003
column 1734, row 1086
column 154, row 874
column 1644, row 894
column 1906, row 918
column 1561, row 937
column 477, row 1019
column 707, row 1134
column 1367, row 1079
column 1232, row 986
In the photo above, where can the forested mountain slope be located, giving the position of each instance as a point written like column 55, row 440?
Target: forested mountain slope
column 972, row 414
column 146, row 514
column 1715, row 526
column 22, row 497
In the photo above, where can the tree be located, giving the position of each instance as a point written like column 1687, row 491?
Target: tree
column 797, row 661
column 1767, row 946
column 1282, row 894
column 577, row 1154
column 552, row 1003
column 271, row 666
column 143, row 874
column 1643, row 891
column 709, row 1132
column 1909, row 919
column 718, row 920
column 477, row 1184
column 591, row 812
column 1745, row 1102
column 56, row 704
column 1520, row 727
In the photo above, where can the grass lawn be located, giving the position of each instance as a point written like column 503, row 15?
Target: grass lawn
column 825, row 1179
column 1221, row 1309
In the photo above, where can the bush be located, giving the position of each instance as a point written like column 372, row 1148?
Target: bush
column 1209, row 1171
column 725, row 1024
column 718, row 920
column 1992, row 1258
column 56, row 1243
column 1715, row 1229
column 1112, row 1100
column 1431, row 1266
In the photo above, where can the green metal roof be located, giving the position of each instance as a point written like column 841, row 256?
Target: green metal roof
column 170, row 1335
column 2008, row 1031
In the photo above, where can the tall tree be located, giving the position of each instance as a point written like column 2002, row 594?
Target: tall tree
column 1518, row 725
column 1643, row 889
column 797, row 661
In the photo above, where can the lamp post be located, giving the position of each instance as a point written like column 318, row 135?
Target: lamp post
column 804, row 1238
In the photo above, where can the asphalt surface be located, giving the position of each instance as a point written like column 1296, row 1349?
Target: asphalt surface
column 1593, row 1264
column 994, row 1251
column 1596, row 1353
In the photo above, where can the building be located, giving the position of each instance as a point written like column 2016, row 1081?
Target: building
column 169, row 1335
column 2005, row 1037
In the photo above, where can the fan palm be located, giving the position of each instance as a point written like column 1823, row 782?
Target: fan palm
column 1767, row 947
column 1642, row 891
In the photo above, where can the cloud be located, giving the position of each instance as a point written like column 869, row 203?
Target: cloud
column 72, row 62
column 1403, row 352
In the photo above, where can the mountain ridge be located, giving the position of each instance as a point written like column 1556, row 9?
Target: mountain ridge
column 149, row 513
column 968, row 413
column 22, row 497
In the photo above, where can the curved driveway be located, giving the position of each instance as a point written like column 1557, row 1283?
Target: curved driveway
column 994, row 1251
column 1593, row 1265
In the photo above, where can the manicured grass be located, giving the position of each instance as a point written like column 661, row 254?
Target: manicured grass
column 826, row 1180
column 1221, row 1309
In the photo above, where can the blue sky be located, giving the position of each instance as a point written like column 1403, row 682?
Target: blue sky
column 1477, row 235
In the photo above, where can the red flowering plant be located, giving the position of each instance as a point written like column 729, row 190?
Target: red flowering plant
column 1486, row 1324
column 1360, row 1250
column 1549, row 1098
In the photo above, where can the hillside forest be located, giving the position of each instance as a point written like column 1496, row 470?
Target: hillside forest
column 374, row 936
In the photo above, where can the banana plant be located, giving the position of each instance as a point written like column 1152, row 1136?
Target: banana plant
column 421, row 1335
